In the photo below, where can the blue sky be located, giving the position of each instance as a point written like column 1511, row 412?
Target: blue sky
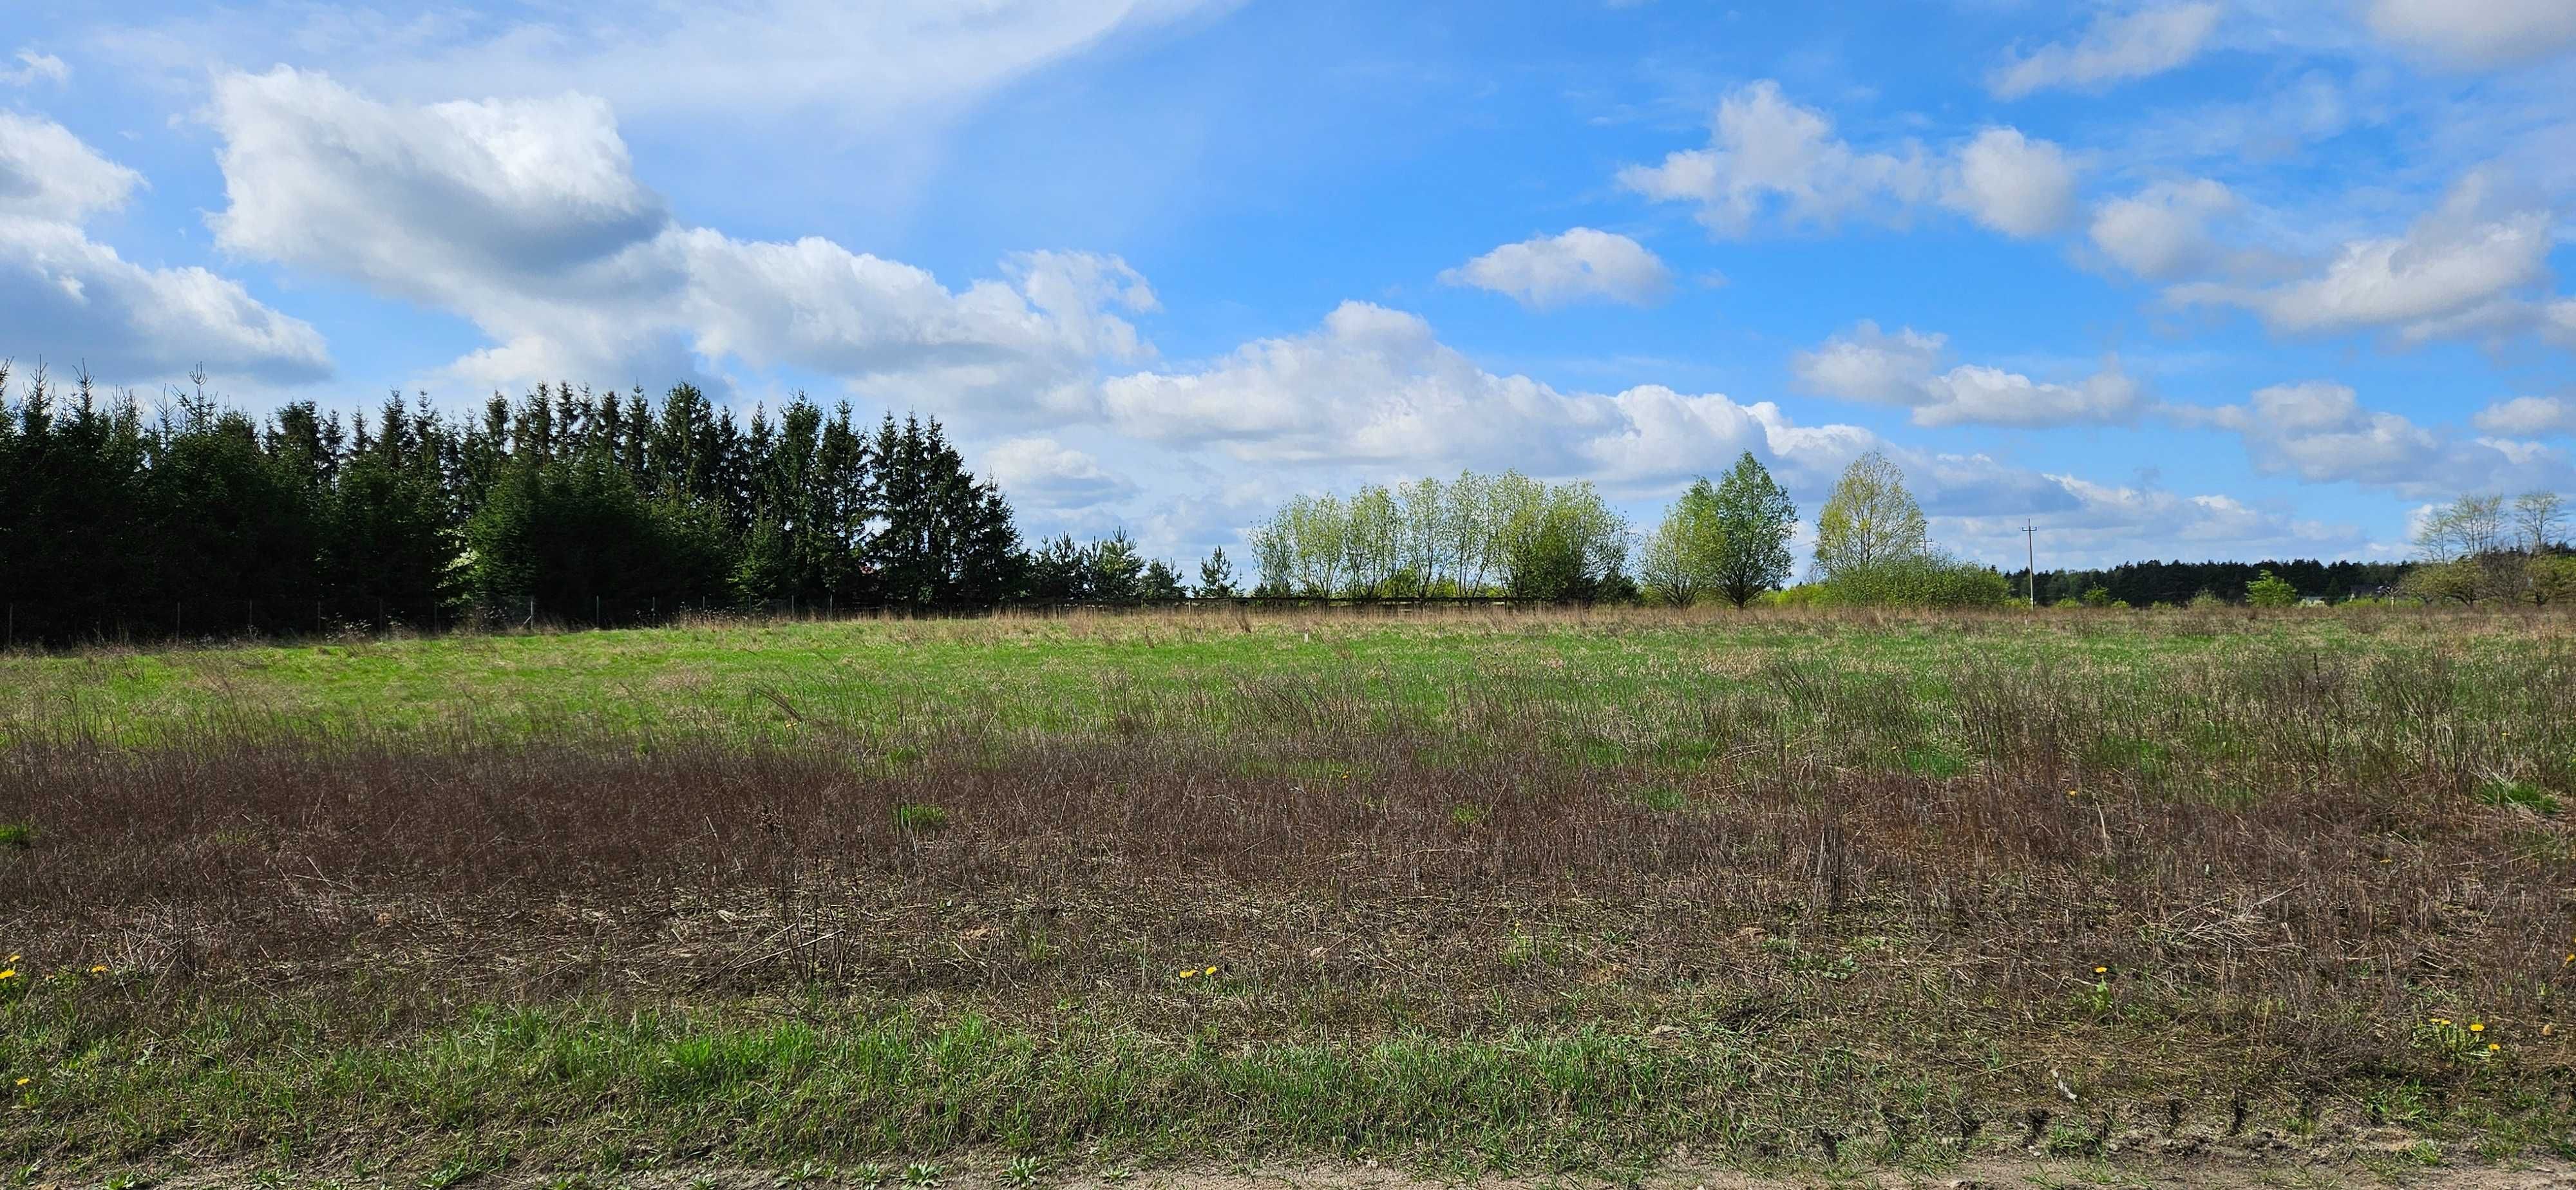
column 2192, row 278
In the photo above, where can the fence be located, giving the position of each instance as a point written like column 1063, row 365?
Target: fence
column 216, row 620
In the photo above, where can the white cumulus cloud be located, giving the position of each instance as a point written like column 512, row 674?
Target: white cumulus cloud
column 1042, row 471
column 1904, row 369
column 2320, row 432
column 2477, row 32
column 1375, row 386
column 2012, row 184
column 2528, row 417
column 48, row 173
column 1767, row 154
column 64, row 295
column 2445, row 275
column 525, row 217
column 2163, row 230
column 1581, row 264
column 1770, row 159
column 2118, row 47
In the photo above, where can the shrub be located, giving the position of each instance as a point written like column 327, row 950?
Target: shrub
column 2271, row 590
column 1922, row 580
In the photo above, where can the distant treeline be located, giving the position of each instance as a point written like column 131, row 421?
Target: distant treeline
column 2143, row 584
column 569, row 504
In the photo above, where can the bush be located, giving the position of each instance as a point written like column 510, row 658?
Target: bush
column 1924, row 580
column 2271, row 590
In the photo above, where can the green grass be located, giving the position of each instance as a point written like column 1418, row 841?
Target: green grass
column 1745, row 1043
column 1081, row 674
column 826, row 1081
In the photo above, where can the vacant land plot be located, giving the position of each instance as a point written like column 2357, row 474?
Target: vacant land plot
column 1462, row 893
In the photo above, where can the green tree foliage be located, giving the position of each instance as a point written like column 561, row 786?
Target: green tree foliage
column 2173, row 583
column 942, row 538
column 1477, row 535
column 1755, row 518
column 1677, row 558
column 1874, row 548
column 2271, row 590
column 208, row 520
column 1869, row 522
column 1160, row 583
column 1112, row 569
column 1216, row 576
column 566, row 533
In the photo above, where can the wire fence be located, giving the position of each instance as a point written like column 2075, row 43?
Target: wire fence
column 219, row 620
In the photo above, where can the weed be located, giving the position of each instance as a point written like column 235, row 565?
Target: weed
column 2500, row 792
column 17, row 835
column 803, row 1174
column 1023, row 1172
column 456, row 1172
column 919, row 817
column 922, row 1175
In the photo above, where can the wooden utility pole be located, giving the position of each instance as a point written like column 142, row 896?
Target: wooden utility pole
column 2030, row 558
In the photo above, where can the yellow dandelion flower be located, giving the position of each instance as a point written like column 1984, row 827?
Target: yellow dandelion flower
column 2493, row 1047
column 2101, row 971
column 101, row 969
column 15, row 957
column 24, row 1081
column 1211, row 969
column 1189, row 972
column 2477, row 1026
column 11, row 973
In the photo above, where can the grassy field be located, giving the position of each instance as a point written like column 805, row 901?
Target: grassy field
column 1030, row 897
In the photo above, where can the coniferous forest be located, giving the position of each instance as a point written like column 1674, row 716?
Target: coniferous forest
column 567, row 504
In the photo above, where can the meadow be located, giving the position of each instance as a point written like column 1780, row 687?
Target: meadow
column 1022, row 897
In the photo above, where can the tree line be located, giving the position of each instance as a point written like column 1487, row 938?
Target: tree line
column 560, row 502
column 2175, row 583
column 566, row 501
column 1475, row 535
column 2484, row 548
column 1725, row 540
